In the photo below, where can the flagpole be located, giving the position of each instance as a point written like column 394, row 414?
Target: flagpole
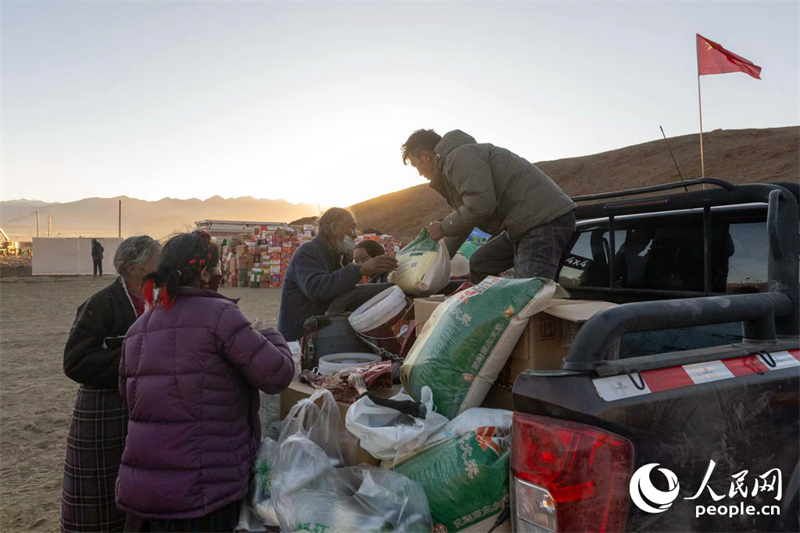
column 700, row 105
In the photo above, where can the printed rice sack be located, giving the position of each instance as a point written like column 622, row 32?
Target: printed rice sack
column 467, row 340
column 465, row 478
column 423, row 266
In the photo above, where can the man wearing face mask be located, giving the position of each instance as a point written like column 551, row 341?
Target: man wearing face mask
column 321, row 270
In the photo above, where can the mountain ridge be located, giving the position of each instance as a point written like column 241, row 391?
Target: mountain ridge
column 737, row 156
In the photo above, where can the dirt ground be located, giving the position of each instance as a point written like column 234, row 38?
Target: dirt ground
column 15, row 265
column 36, row 399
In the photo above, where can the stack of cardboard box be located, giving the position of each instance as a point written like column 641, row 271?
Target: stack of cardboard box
column 262, row 261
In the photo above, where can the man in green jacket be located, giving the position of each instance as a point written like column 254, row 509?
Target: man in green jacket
column 491, row 188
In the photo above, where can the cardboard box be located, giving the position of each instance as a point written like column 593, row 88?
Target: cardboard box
column 499, row 398
column 298, row 391
column 241, row 249
column 424, row 308
column 546, row 340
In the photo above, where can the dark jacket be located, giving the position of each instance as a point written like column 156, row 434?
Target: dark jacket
column 380, row 277
column 97, row 251
column 91, row 356
column 315, row 277
column 493, row 189
column 189, row 379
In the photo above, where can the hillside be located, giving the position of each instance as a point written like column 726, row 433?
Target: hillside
column 737, row 156
column 97, row 217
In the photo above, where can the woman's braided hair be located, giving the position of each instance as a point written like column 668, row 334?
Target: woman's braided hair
column 182, row 259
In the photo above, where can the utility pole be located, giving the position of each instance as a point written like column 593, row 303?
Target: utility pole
column 119, row 223
column 49, row 223
column 37, row 224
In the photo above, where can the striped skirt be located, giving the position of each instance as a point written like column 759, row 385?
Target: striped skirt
column 94, row 450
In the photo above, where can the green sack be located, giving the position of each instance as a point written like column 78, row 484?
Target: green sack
column 464, row 477
column 467, row 340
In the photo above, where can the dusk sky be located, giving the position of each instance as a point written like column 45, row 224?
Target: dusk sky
column 310, row 102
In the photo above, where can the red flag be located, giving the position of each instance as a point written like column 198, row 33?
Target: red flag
column 714, row 59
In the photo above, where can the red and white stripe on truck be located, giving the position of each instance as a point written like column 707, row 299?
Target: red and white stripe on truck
column 624, row 386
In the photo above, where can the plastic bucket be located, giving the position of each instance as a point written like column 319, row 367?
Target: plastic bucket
column 330, row 364
column 381, row 317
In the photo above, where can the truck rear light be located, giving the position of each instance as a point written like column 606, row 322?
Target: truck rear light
column 568, row 476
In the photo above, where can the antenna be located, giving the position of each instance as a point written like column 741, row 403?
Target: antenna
column 673, row 157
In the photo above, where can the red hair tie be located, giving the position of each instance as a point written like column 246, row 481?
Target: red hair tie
column 147, row 293
column 166, row 300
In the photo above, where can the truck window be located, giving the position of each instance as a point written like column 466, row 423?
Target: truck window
column 587, row 263
column 667, row 253
column 748, row 264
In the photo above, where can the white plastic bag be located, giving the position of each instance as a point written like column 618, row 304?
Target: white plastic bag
column 388, row 434
column 308, row 491
column 473, row 419
column 322, row 426
column 259, row 496
column 423, row 267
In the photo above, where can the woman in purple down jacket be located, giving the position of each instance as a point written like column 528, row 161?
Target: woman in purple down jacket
column 189, row 374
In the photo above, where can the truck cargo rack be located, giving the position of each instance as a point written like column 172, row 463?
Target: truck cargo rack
column 757, row 312
column 655, row 188
column 782, row 220
column 765, row 316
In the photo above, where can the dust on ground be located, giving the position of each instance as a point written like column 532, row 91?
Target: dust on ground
column 36, row 398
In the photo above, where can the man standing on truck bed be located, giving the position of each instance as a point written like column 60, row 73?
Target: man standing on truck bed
column 493, row 189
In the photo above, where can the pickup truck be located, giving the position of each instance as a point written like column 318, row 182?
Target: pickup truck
column 679, row 409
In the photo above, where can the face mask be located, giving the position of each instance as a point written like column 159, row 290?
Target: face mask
column 348, row 245
column 213, row 283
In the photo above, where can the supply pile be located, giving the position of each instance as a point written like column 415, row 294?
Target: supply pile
column 261, row 260
column 431, row 423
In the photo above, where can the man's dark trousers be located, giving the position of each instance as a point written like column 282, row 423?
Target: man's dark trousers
column 536, row 254
column 98, row 266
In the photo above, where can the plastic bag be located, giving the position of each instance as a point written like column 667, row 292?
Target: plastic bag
column 323, row 426
column 423, row 267
column 309, row 493
column 388, row 434
column 258, row 497
column 465, row 478
column 248, row 523
column 467, row 340
column 472, row 420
